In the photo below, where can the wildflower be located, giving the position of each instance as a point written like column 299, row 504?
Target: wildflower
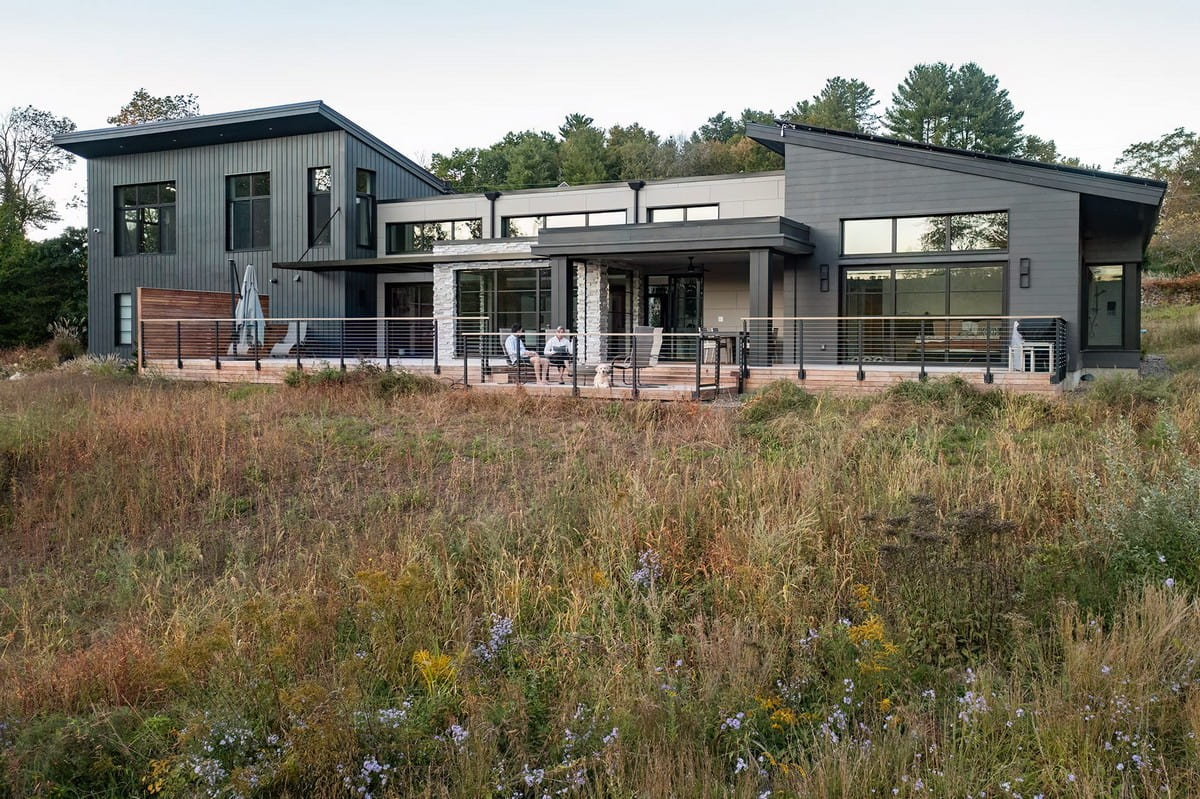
column 885, row 705
column 459, row 735
column 649, row 572
column 611, row 737
column 733, row 722
column 1162, row 558
column 740, row 766
column 498, row 636
column 433, row 668
column 1105, row 669
column 1169, row 582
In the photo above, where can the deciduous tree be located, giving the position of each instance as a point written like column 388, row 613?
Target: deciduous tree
column 28, row 157
column 1175, row 158
column 145, row 107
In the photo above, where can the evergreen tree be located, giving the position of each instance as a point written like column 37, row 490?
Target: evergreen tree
column 963, row 108
column 844, row 104
column 581, row 154
column 532, row 160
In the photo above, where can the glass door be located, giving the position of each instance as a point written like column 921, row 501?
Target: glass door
column 413, row 301
column 1105, row 311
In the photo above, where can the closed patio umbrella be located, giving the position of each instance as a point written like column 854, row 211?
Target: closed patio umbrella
column 248, row 315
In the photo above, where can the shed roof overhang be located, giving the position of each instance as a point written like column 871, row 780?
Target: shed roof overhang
column 776, row 233
column 235, row 126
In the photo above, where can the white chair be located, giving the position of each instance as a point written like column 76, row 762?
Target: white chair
column 296, row 333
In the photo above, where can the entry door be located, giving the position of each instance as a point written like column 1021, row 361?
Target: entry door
column 676, row 304
column 414, row 301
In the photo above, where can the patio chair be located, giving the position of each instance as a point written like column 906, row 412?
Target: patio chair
column 649, row 344
column 296, row 333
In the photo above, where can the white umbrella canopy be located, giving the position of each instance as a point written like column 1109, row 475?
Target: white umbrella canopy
column 248, row 315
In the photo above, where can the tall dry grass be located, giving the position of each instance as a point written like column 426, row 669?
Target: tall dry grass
column 303, row 591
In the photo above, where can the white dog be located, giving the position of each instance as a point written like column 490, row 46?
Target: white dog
column 603, row 378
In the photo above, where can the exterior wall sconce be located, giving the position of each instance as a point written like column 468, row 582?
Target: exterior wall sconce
column 824, row 274
column 1025, row 276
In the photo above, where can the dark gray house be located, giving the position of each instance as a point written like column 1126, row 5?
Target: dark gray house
column 863, row 254
column 187, row 204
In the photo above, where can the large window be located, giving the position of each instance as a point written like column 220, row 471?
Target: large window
column 506, row 297
column 922, row 295
column 528, row 226
column 1105, row 307
column 942, row 233
column 364, row 208
column 685, row 213
column 123, row 316
column 249, row 217
column 420, row 236
column 320, row 205
column 146, row 218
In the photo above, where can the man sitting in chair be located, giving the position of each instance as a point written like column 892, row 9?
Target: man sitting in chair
column 558, row 352
column 514, row 347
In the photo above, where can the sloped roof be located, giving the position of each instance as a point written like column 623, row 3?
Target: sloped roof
column 234, row 126
column 1020, row 170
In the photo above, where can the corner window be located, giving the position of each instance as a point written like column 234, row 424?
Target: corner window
column 123, row 316
column 685, row 213
column 248, row 218
column 145, row 218
column 981, row 232
column 320, row 185
column 364, row 208
column 401, row 237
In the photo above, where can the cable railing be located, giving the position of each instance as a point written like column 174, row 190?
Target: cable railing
column 428, row 341
column 989, row 343
column 645, row 359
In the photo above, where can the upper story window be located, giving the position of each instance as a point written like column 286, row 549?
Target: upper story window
column 528, row 226
column 685, row 213
column 320, row 205
column 146, row 218
column 420, row 236
column 364, row 208
column 248, row 220
column 913, row 234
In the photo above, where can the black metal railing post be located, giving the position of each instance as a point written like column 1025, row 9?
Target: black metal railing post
column 923, row 374
column 178, row 344
column 387, row 345
column 299, row 343
column 342, row 345
column 633, row 355
column 217, row 342
column 464, row 348
column 861, row 374
column 800, row 374
column 575, row 367
column 987, row 351
column 257, row 362
column 142, row 343
column 437, row 367
column 699, row 356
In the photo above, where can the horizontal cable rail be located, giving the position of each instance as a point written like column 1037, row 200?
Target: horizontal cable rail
column 1010, row 343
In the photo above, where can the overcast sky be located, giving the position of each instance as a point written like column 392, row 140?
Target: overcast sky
column 428, row 77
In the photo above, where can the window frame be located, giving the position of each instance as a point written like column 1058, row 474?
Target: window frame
column 947, row 249
column 233, row 204
column 118, row 318
column 1086, row 342
column 365, row 201
column 389, row 227
column 687, row 209
column 946, row 291
column 320, row 235
column 505, row 221
column 120, row 210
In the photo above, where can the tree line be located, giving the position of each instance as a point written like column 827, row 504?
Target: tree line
column 940, row 104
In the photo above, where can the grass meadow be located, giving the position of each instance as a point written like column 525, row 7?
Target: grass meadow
column 378, row 587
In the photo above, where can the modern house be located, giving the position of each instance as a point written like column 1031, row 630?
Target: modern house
column 865, row 256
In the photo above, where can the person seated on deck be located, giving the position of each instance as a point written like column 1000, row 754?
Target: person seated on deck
column 558, row 352
column 514, row 348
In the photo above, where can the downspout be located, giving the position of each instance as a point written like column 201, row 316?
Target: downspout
column 491, row 198
column 637, row 186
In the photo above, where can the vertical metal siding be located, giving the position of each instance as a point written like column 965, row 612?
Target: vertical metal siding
column 200, row 258
column 824, row 187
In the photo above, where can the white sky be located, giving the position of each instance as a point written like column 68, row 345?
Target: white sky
column 427, row 77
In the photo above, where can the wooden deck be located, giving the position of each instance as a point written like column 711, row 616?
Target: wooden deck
column 668, row 382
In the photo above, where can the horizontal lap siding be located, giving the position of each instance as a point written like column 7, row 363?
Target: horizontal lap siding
column 200, row 260
column 826, row 187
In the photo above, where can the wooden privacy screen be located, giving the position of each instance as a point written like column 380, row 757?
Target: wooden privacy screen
column 197, row 340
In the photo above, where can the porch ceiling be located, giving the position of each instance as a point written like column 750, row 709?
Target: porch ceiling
column 776, row 233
